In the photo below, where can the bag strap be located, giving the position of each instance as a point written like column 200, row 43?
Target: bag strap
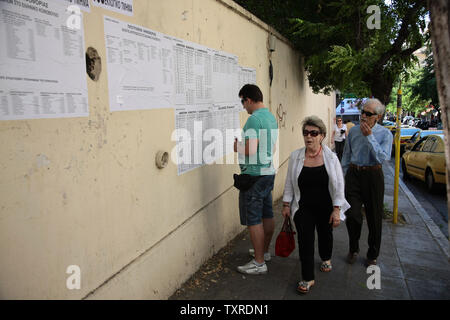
column 287, row 225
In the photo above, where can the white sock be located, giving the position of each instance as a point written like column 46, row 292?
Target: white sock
column 259, row 264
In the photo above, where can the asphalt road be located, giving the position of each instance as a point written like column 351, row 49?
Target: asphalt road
column 435, row 204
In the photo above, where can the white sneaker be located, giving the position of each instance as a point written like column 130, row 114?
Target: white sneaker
column 267, row 256
column 252, row 268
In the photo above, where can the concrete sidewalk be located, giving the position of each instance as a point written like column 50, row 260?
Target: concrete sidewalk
column 414, row 263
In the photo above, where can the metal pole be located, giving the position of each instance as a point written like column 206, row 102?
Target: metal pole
column 397, row 153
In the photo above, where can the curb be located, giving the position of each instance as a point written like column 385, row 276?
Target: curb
column 436, row 233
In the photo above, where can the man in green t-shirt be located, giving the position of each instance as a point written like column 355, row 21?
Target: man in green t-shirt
column 255, row 154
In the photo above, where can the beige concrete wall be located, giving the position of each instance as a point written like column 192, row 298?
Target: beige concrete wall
column 86, row 191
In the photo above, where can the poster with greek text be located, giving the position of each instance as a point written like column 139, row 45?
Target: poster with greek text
column 246, row 76
column 193, row 73
column 38, row 52
column 120, row 6
column 191, row 122
column 81, row 4
column 139, row 66
column 205, row 134
column 225, row 77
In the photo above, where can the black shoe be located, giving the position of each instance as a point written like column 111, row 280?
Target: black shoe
column 371, row 262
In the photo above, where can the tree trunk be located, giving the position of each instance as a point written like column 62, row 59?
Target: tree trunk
column 440, row 38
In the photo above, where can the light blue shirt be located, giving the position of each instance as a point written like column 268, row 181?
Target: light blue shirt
column 367, row 151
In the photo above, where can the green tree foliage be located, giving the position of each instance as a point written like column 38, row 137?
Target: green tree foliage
column 339, row 49
column 419, row 87
column 425, row 87
column 411, row 102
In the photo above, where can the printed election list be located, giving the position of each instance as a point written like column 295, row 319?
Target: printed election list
column 140, row 67
column 38, row 52
column 205, row 133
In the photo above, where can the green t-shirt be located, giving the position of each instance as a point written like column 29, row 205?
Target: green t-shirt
column 263, row 126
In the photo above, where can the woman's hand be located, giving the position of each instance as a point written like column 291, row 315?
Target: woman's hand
column 335, row 217
column 286, row 212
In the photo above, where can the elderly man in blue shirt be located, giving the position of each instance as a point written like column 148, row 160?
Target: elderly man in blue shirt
column 367, row 146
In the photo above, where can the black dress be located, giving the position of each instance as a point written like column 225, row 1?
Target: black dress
column 315, row 208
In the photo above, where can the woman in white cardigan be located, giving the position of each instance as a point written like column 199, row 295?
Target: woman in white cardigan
column 314, row 197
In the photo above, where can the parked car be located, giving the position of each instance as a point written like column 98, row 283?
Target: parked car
column 418, row 135
column 426, row 161
column 423, row 124
column 407, row 119
column 389, row 124
column 405, row 134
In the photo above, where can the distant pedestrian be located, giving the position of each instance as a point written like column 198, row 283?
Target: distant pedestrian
column 368, row 146
column 314, row 195
column 257, row 176
column 349, row 125
column 338, row 137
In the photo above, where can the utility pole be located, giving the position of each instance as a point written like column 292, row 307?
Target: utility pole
column 397, row 153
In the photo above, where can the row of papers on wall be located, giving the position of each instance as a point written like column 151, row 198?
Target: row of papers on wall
column 43, row 70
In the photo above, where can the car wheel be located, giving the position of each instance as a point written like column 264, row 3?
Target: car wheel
column 405, row 173
column 429, row 179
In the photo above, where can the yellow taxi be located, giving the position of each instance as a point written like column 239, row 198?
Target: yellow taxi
column 389, row 124
column 405, row 135
column 426, row 161
column 418, row 135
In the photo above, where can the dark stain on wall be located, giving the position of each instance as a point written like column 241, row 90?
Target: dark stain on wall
column 93, row 64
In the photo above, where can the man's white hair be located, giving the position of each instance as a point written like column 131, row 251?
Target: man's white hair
column 379, row 107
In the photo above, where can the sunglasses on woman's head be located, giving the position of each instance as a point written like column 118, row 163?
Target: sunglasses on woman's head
column 313, row 133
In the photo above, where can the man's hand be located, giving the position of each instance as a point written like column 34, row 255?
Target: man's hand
column 365, row 128
column 248, row 149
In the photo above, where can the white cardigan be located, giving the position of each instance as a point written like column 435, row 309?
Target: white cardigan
column 335, row 180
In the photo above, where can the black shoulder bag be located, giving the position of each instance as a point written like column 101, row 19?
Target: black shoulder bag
column 244, row 182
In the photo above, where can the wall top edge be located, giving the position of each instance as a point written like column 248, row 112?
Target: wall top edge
column 251, row 17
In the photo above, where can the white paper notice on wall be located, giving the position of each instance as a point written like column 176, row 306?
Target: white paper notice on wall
column 140, row 67
column 82, row 4
column 37, row 53
column 205, row 134
column 193, row 73
column 120, row 6
column 191, row 122
column 246, row 76
column 225, row 77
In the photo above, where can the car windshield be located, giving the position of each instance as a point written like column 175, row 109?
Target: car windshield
column 419, row 144
column 414, row 136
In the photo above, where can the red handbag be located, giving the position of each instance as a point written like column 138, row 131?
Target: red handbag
column 285, row 243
